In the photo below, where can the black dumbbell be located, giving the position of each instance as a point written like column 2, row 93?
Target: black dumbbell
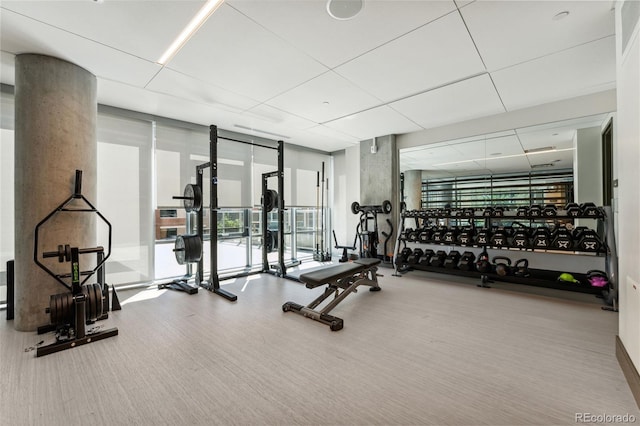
column 549, row 210
column 415, row 256
column 488, row 212
column 573, row 209
column 425, row 235
column 452, row 259
column 520, row 238
column 467, row 261
column 498, row 211
column 500, row 238
column 589, row 241
column 590, row 210
column 403, row 256
column 562, row 239
column 450, row 236
column 465, row 238
column 438, row 258
column 535, row 210
column 426, row 257
column 407, row 234
column 438, row 235
column 541, row 238
column 483, row 237
column 522, row 211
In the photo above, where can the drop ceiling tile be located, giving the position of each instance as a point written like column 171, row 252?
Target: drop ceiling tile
column 308, row 100
column 225, row 52
column 465, row 100
column 21, row 35
column 559, row 139
column 281, row 118
column 176, row 84
column 495, row 147
column 141, row 28
column 585, row 69
column 433, row 55
column 515, row 164
column 511, row 32
column 380, row 121
column 334, row 42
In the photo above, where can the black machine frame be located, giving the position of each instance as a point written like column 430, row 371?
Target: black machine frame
column 213, row 283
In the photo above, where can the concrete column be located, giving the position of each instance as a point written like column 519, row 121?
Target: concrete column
column 413, row 189
column 380, row 181
column 55, row 134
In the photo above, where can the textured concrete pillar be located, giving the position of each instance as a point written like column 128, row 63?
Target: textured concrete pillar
column 413, row 189
column 380, row 181
column 55, row 134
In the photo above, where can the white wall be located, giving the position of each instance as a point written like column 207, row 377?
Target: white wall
column 587, row 165
column 6, row 199
column 346, row 172
column 627, row 151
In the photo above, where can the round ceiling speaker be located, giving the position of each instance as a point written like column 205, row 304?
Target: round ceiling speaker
column 344, row 9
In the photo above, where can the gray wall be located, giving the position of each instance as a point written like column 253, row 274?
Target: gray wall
column 587, row 165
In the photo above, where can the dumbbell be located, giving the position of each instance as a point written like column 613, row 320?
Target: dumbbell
column 403, row 256
column 467, row 261
column 500, row 238
column 438, row 258
column 406, row 234
column 450, row 236
column 562, row 239
column 589, row 209
column 535, row 210
column 483, row 237
column 498, row 211
column 589, row 241
column 502, row 265
column 465, row 238
column 549, row 210
column 520, row 238
column 468, row 212
column 415, row 256
column 488, row 212
column 522, row 211
column 426, row 257
column 438, row 235
column 573, row 209
column 425, row 235
column 452, row 259
column 541, row 238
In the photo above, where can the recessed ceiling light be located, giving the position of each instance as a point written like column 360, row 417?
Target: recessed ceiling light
column 325, row 103
column 537, row 150
column 539, row 166
column 495, row 153
column 561, row 15
column 343, row 10
column 555, row 134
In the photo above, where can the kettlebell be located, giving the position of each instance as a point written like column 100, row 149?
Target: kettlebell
column 502, row 265
column 521, row 268
column 483, row 264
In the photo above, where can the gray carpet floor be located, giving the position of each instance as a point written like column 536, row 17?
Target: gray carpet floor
column 426, row 350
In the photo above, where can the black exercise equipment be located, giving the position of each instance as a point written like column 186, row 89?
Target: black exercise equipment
column 500, row 238
column 467, row 261
column 415, row 256
column 69, row 312
column 270, row 201
column 450, row 235
column 483, row 237
column 438, row 258
column 589, row 209
column 549, row 210
column 502, row 265
column 522, row 211
column 521, row 268
column 192, row 198
column 482, row 263
column 562, row 239
column 520, row 238
column 488, row 212
column 10, row 289
column 573, row 209
column 589, row 241
column 535, row 210
column 452, row 259
column 345, row 276
column 425, row 235
column 345, row 254
column 188, row 249
column 403, row 257
column 367, row 234
column 498, row 211
column 426, row 257
column 438, row 235
column 466, row 236
column 541, row 238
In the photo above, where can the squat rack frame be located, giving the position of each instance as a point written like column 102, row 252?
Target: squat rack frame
column 213, row 283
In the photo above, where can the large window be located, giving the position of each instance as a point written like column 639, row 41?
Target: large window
column 508, row 190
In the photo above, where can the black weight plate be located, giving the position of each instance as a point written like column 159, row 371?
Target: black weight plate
column 386, row 206
column 193, row 198
column 179, row 250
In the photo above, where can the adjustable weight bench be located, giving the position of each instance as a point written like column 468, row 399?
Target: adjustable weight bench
column 345, row 276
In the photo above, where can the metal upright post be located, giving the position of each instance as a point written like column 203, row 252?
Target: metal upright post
column 283, row 268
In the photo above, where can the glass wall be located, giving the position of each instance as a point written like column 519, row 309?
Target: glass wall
column 144, row 161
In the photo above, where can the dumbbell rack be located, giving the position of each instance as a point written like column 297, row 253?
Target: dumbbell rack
column 410, row 239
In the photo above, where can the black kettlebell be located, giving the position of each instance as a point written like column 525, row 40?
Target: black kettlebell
column 502, row 265
column 483, row 264
column 521, row 268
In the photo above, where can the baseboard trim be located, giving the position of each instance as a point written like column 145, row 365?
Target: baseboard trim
column 628, row 369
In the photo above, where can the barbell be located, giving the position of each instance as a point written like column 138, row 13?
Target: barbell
column 187, row 249
column 191, row 198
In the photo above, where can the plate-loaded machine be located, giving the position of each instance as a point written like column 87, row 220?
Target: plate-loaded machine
column 345, row 276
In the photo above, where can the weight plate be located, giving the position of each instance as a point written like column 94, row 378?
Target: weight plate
column 179, row 250
column 355, row 207
column 386, row 206
column 192, row 198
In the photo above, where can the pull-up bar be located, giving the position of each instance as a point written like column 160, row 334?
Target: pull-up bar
column 247, row 143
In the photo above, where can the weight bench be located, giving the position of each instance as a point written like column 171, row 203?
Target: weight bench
column 345, row 276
